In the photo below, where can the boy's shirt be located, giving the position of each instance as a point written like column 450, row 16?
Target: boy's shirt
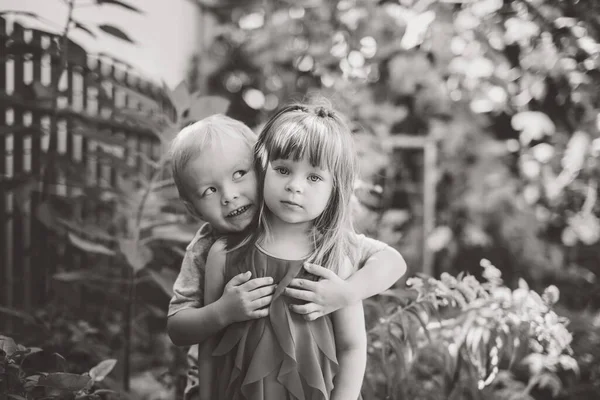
column 189, row 285
column 188, row 290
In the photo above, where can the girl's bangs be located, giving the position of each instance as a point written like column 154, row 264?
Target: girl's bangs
column 297, row 139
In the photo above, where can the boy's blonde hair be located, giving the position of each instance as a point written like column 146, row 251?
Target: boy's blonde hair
column 192, row 140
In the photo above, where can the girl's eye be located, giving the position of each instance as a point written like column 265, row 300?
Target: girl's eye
column 209, row 191
column 282, row 170
column 239, row 174
column 314, row 178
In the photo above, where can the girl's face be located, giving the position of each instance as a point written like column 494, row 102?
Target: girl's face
column 295, row 191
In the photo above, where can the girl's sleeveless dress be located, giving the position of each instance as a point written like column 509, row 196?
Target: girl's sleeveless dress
column 281, row 356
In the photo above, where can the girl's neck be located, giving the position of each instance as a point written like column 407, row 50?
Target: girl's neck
column 287, row 240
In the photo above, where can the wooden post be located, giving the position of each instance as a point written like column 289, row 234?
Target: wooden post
column 429, row 147
column 429, row 200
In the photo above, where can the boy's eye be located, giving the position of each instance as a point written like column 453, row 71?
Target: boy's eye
column 282, row 170
column 208, row 191
column 238, row 174
column 314, row 178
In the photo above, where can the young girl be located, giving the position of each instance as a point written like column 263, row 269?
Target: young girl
column 305, row 161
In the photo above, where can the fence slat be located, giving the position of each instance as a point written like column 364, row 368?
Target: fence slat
column 5, row 271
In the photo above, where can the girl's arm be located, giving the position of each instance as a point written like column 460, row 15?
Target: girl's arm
column 331, row 292
column 351, row 346
column 213, row 287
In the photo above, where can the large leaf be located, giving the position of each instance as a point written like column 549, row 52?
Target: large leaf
column 177, row 232
column 92, row 231
column 74, row 276
column 88, row 246
column 180, row 98
column 7, row 345
column 137, row 255
column 120, row 4
column 90, row 132
column 116, row 32
column 20, row 130
column 64, row 381
column 84, row 28
column 99, row 372
column 148, row 103
column 41, row 360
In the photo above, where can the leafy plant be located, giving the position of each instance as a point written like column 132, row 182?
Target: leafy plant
column 466, row 327
column 32, row 373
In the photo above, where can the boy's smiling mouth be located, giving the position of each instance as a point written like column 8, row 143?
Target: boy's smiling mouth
column 238, row 211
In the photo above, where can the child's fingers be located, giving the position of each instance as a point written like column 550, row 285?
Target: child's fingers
column 261, row 292
column 320, row 271
column 239, row 279
column 262, row 302
column 303, row 284
column 313, row 315
column 300, row 294
column 305, row 308
column 263, row 312
column 256, row 283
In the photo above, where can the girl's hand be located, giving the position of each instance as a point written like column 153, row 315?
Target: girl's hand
column 244, row 298
column 327, row 295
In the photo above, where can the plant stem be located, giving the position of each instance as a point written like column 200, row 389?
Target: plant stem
column 131, row 278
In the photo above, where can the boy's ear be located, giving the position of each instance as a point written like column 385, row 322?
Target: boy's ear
column 192, row 210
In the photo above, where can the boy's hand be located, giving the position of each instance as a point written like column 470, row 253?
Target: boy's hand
column 245, row 299
column 327, row 295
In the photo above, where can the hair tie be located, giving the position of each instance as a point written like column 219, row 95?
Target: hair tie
column 324, row 112
column 299, row 108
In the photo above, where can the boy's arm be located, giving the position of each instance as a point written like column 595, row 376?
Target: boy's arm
column 214, row 282
column 242, row 299
column 380, row 271
column 351, row 347
column 190, row 323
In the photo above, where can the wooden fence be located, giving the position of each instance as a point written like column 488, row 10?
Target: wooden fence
column 90, row 89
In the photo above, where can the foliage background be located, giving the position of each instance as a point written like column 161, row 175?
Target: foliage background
column 507, row 89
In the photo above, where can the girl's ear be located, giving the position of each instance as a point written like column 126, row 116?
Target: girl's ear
column 192, row 210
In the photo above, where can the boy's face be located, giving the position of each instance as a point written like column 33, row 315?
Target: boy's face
column 221, row 185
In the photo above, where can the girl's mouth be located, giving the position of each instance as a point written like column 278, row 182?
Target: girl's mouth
column 291, row 204
column 238, row 211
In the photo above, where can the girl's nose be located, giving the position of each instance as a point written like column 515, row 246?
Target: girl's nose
column 293, row 186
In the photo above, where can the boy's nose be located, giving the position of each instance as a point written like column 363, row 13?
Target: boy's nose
column 228, row 197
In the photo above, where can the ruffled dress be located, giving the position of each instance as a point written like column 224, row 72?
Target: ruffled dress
column 280, row 356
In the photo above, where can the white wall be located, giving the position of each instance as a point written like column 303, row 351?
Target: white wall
column 166, row 35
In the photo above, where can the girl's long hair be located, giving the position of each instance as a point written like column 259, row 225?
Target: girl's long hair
column 321, row 135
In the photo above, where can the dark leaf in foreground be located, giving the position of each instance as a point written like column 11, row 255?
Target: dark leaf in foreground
column 116, row 32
